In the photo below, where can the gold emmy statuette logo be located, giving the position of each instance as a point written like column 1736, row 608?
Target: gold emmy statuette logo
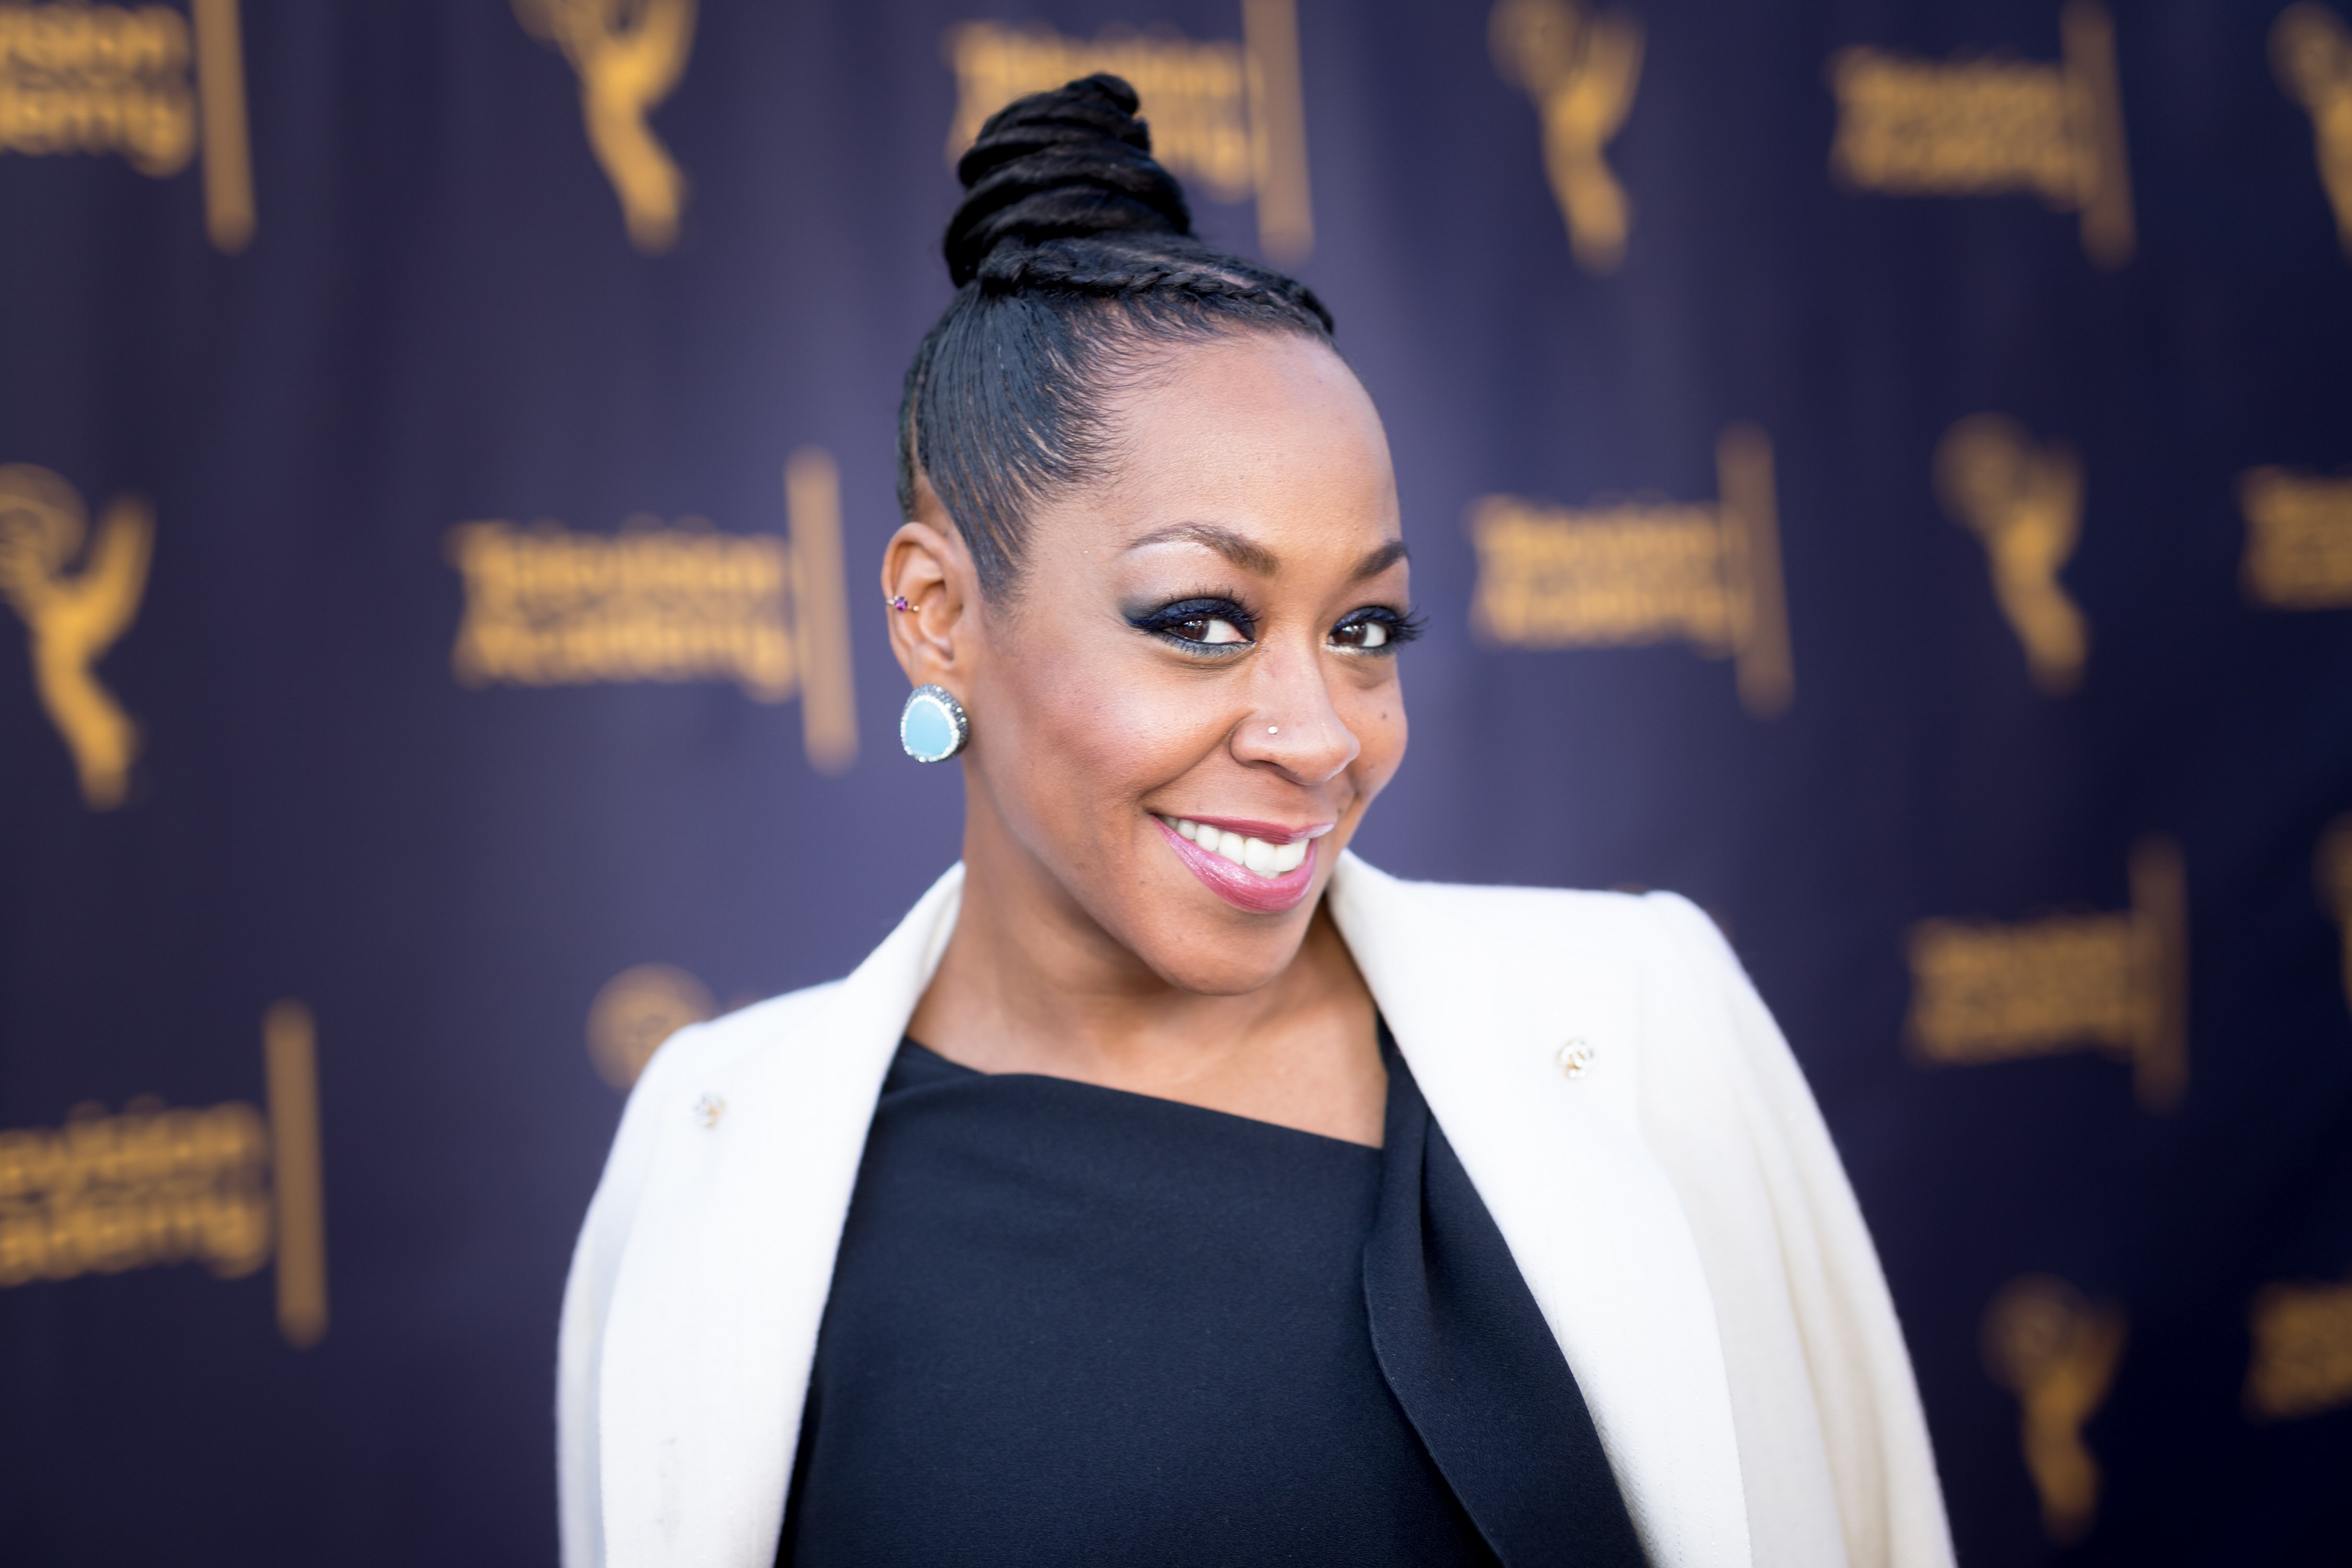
column 2311, row 50
column 545, row 606
column 75, row 616
column 629, row 54
column 1582, row 72
column 1987, row 126
column 2302, row 1362
column 636, row 1011
column 2118, row 984
column 157, row 1185
column 2298, row 540
column 79, row 78
column 2025, row 502
column 1625, row 572
column 2333, row 871
column 1228, row 117
column 2058, row 1354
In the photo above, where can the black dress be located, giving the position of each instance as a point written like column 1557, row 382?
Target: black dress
column 1070, row 1325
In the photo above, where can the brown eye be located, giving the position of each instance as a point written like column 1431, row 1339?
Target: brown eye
column 1214, row 630
column 1363, row 636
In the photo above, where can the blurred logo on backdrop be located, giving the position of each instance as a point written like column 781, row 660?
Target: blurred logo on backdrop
column 75, row 614
column 2298, row 540
column 2302, row 1361
column 1581, row 71
column 1228, row 117
column 2059, row 1354
column 2311, row 50
column 636, row 1011
column 1624, row 572
column 1984, row 124
column 2025, row 503
column 629, row 56
column 79, row 78
column 2333, row 871
column 156, row 1185
column 1983, row 992
column 547, row 606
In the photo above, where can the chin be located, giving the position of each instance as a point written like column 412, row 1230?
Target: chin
column 1212, row 958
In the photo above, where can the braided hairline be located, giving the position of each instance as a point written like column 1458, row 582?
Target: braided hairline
column 1050, row 267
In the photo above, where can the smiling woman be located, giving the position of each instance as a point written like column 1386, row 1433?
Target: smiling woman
column 1172, row 1186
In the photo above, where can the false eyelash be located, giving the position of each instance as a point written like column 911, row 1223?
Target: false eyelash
column 1402, row 628
column 1163, row 621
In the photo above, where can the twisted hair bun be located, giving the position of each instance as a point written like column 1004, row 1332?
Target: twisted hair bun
column 1066, row 164
column 1072, row 253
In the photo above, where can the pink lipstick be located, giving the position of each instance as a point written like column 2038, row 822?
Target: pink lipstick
column 1283, row 859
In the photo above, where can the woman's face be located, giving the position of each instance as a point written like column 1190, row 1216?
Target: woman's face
column 1180, row 715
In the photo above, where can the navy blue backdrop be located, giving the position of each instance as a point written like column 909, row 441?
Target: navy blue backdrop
column 1868, row 467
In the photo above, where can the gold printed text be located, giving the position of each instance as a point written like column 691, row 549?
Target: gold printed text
column 545, row 606
column 1623, row 573
column 1984, row 991
column 151, row 1186
column 2298, row 540
column 2302, row 1361
column 1988, row 125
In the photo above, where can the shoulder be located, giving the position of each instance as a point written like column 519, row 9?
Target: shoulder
column 1509, row 919
column 715, row 1050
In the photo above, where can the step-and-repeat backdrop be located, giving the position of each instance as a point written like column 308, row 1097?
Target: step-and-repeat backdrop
column 1878, row 468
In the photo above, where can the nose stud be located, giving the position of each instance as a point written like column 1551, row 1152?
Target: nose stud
column 1274, row 729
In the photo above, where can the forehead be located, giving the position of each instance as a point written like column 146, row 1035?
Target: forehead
column 1266, row 434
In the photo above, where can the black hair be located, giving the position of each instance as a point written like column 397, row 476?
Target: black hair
column 1071, row 250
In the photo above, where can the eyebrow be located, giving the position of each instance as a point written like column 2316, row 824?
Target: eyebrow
column 1252, row 556
column 1246, row 553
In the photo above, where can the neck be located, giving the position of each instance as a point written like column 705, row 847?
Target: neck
column 1031, row 982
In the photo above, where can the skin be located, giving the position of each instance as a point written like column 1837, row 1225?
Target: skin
column 1251, row 468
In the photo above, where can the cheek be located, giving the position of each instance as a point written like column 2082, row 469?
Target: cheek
column 1098, row 730
column 1377, row 718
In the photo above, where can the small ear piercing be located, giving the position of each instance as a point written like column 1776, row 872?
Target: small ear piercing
column 897, row 603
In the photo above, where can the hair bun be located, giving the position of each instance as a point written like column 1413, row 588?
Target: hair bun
column 1061, row 164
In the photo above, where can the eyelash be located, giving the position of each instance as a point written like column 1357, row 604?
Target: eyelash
column 1163, row 622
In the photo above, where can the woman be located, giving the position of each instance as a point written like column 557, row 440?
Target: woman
column 1239, row 1202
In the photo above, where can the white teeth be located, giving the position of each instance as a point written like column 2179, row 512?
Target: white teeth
column 1254, row 853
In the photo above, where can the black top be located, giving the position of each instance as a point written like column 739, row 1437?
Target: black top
column 1073, row 1325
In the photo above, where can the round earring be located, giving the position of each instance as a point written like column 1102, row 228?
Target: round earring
column 933, row 727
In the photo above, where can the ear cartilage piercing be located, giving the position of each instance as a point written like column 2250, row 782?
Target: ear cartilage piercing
column 897, row 603
column 933, row 726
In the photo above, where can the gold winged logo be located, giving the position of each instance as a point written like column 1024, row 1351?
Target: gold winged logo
column 75, row 618
column 628, row 55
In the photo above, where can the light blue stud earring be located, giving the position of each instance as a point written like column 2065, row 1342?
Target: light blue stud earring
column 932, row 726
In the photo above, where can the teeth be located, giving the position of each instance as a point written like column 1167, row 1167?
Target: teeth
column 1254, row 853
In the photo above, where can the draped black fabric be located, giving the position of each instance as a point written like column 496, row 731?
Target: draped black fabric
column 1073, row 1325
column 1469, row 1357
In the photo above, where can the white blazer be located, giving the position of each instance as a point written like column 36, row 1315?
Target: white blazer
column 1676, row 1208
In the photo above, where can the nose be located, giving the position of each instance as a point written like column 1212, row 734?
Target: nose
column 1294, row 728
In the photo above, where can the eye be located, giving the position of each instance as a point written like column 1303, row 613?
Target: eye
column 1210, row 629
column 1199, row 624
column 1375, row 630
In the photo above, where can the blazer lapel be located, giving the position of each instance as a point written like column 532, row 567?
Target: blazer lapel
column 1482, row 988
column 718, row 1301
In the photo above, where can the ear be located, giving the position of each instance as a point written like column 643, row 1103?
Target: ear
column 926, row 564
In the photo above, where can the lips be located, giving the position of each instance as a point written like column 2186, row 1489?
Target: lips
column 1286, row 857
